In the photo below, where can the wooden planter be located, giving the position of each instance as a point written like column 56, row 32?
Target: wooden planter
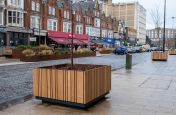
column 75, row 88
column 172, row 52
column 17, row 53
column 37, row 58
column 159, row 56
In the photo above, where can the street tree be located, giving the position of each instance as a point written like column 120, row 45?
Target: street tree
column 157, row 20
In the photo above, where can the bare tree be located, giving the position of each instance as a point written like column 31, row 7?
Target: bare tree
column 156, row 18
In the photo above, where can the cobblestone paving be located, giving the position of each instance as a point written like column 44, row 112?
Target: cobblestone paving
column 16, row 80
column 148, row 89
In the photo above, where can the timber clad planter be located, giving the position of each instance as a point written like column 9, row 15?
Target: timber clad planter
column 159, row 56
column 37, row 58
column 172, row 52
column 78, row 88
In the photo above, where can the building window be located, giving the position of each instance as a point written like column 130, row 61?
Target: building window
column 78, row 18
column 66, row 14
column 88, row 30
column 15, row 2
column 88, row 20
column 67, row 27
column 103, row 33
column 51, row 10
column 35, row 22
column 35, row 6
column 15, row 18
column 52, row 25
column 79, row 29
column 97, row 23
column 1, row 18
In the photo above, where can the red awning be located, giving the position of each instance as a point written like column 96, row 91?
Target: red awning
column 60, row 40
column 88, row 42
column 67, row 35
column 77, row 42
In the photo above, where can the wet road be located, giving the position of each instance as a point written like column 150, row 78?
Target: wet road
column 16, row 80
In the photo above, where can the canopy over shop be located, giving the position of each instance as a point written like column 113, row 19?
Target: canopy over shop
column 66, row 38
column 109, row 42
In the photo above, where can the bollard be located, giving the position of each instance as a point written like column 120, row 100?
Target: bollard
column 128, row 61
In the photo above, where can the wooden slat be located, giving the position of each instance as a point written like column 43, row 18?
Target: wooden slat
column 44, row 83
column 48, row 75
column 36, row 82
column 60, row 85
column 80, row 87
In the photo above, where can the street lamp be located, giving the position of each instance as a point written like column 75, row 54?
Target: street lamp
column 164, row 37
column 173, row 30
column 60, row 5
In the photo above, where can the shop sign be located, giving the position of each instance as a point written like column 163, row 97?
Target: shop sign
column 33, row 39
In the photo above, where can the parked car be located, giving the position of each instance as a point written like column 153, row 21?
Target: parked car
column 154, row 48
column 130, row 49
column 137, row 49
column 121, row 50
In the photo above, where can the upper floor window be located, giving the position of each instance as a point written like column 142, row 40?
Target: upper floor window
column 35, row 20
column 51, row 10
column 97, row 22
column 79, row 29
column 88, row 20
column 15, row 2
column 15, row 18
column 97, row 14
column 1, row 18
column 78, row 18
column 67, row 27
column 52, row 25
column 35, row 6
column 66, row 14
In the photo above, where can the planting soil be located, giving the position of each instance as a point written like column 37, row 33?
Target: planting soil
column 80, row 67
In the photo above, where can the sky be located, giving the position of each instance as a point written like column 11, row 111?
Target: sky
column 150, row 5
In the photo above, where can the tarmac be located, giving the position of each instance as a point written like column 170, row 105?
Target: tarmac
column 148, row 89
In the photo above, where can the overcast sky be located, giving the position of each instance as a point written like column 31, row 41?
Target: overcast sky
column 151, row 4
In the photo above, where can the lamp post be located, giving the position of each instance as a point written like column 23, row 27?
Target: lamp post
column 60, row 5
column 164, row 37
column 173, row 30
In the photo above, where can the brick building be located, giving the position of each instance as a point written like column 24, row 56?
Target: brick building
column 23, row 19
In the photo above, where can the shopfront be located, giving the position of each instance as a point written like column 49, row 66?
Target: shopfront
column 2, row 37
column 108, row 42
column 17, row 36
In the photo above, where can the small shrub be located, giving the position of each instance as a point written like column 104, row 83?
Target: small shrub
column 46, row 52
column 28, row 52
column 24, row 47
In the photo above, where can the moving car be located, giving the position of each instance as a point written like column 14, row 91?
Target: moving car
column 121, row 50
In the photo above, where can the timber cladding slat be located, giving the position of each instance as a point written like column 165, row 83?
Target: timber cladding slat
column 71, row 85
